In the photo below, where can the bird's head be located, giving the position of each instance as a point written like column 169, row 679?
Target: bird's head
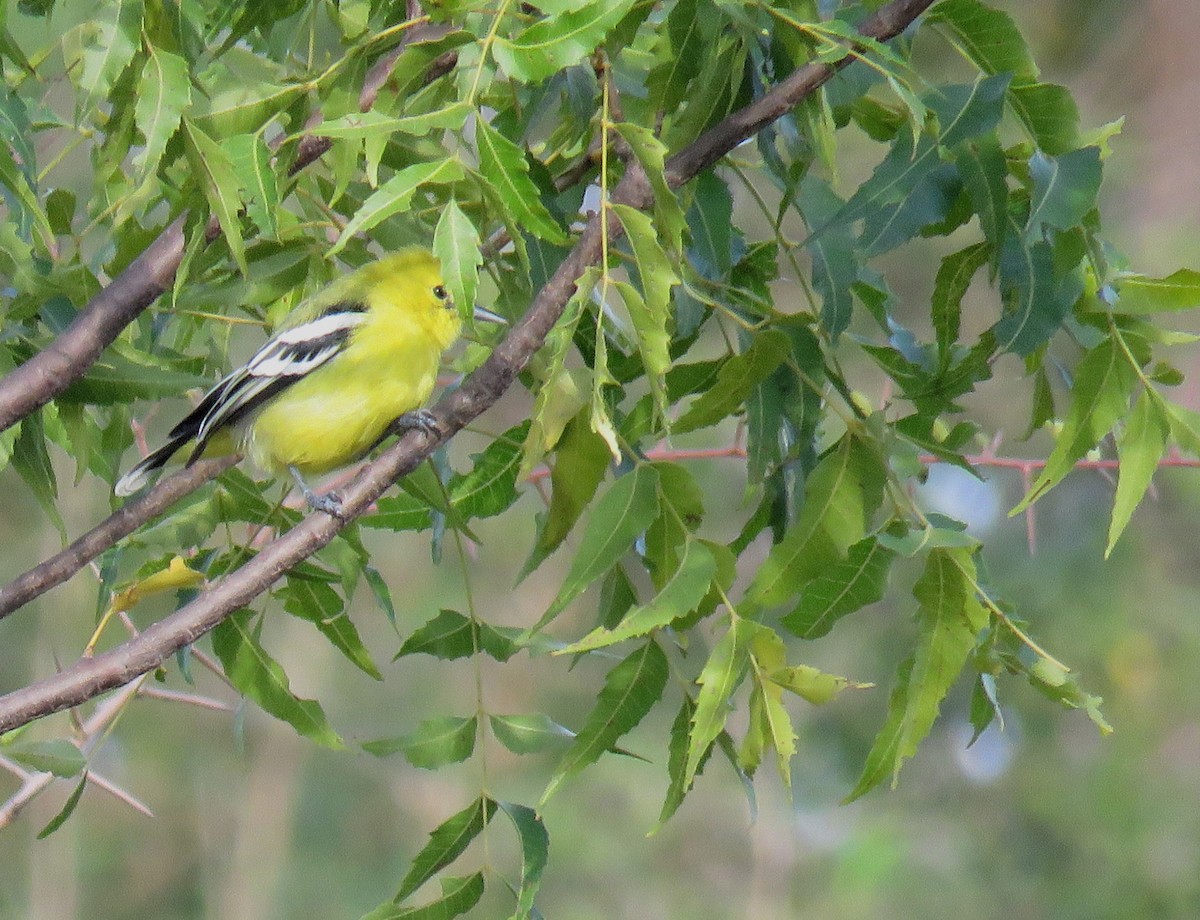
column 410, row 282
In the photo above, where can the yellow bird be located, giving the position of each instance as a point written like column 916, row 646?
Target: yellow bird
column 346, row 367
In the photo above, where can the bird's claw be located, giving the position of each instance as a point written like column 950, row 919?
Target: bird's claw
column 330, row 503
column 421, row 420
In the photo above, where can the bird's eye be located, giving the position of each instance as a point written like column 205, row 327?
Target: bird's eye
column 440, row 292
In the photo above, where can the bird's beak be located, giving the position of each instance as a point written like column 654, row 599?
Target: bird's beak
column 484, row 315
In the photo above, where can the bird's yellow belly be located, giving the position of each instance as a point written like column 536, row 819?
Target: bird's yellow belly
column 320, row 424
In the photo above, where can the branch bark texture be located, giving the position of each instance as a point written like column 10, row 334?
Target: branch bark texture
column 90, row 677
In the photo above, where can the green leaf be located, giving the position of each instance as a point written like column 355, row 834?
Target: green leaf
column 616, row 520
column 212, row 164
column 735, row 380
column 252, row 164
column 580, row 461
column 558, row 41
column 67, row 810
column 841, row 491
column 491, row 485
column 96, row 51
column 457, row 246
column 983, row 168
column 31, row 459
column 1140, row 447
column 989, row 37
column 949, row 618
column 718, row 679
column 834, row 254
column 1037, row 296
column 446, row 843
column 953, row 278
column 1049, row 114
column 459, row 895
column 164, row 94
column 652, row 154
column 1060, row 685
column 1178, row 291
column 812, row 684
column 450, row 635
column 22, row 186
column 677, row 751
column 258, row 676
column 1104, row 381
column 57, row 756
column 395, row 195
column 630, row 690
column 1064, row 188
column 319, row 604
column 529, row 734
column 434, row 743
column 769, row 717
column 650, row 314
column 506, row 170
column 378, row 125
column 927, row 203
column 679, row 596
column 535, row 850
column 840, row 589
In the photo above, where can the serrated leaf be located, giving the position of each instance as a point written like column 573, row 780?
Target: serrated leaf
column 989, row 37
column 371, row 124
column 840, row 589
column 457, row 246
column 686, row 588
column 949, row 618
column 630, row 690
column 97, row 51
column 812, row 684
column 1064, row 188
column 535, row 850
column 1037, row 295
column 450, row 635
column 395, row 195
column 953, row 278
column 736, row 378
column 983, row 168
column 841, row 491
column 616, row 520
column 1139, row 448
column 220, row 185
column 529, row 734
column 1049, row 113
column 718, row 679
column 559, row 41
column 432, row 744
column 446, row 843
column 834, row 255
column 252, row 164
column 504, row 166
column 459, row 895
column 319, row 604
column 1178, row 291
column 580, row 461
column 258, row 676
column 652, row 154
column 490, row 487
column 1104, row 381
column 164, row 94
column 650, row 314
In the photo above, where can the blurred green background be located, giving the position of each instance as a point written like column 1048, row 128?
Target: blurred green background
column 1044, row 820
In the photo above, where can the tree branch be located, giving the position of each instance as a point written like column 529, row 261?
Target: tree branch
column 91, row 676
column 120, row 524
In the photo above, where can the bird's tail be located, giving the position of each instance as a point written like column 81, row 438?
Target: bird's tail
column 141, row 474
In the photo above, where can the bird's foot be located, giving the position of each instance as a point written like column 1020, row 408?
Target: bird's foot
column 330, row 502
column 421, row 420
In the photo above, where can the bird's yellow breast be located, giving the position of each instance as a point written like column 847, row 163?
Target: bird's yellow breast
column 337, row 413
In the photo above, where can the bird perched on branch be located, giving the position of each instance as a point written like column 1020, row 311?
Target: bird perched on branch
column 346, row 367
